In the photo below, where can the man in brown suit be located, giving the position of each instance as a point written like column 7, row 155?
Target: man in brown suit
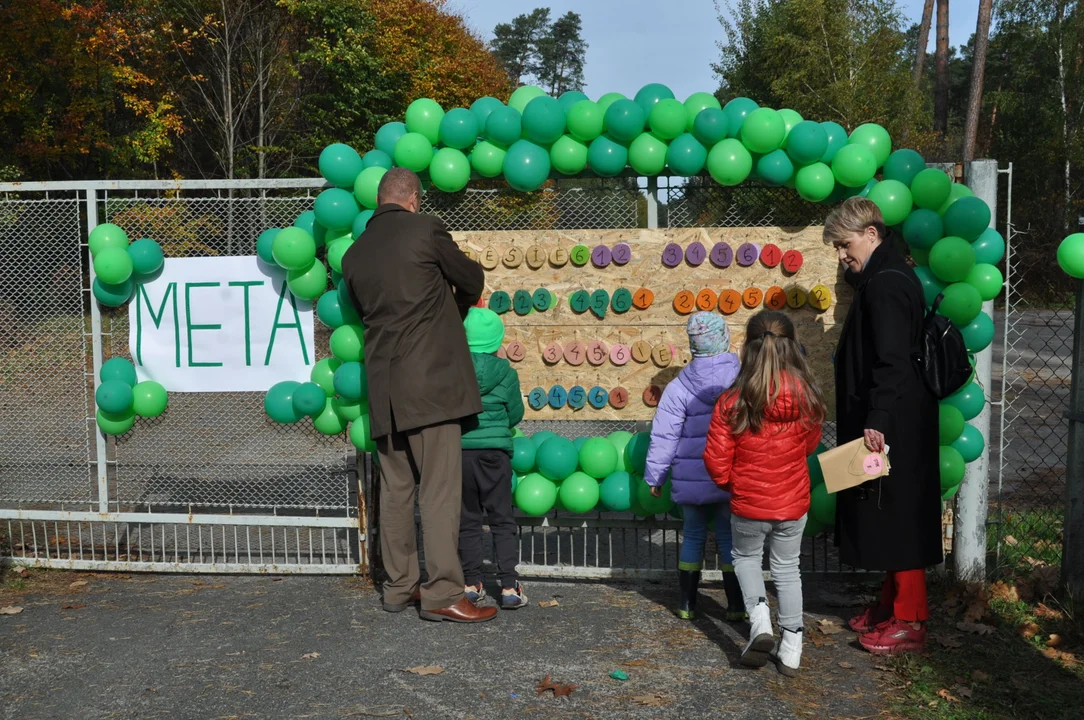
column 410, row 283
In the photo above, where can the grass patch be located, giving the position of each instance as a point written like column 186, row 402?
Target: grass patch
column 1027, row 539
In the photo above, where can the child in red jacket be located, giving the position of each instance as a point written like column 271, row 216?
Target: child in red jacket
column 761, row 433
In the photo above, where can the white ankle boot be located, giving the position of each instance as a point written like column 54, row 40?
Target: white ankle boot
column 761, row 641
column 789, row 654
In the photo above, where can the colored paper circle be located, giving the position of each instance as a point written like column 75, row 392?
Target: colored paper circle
column 792, row 261
column 488, row 258
column 672, row 255
column 536, row 257
column 553, row 353
column 598, row 397
column 707, row 300
column 620, row 354
column 601, row 256
column 597, row 353
column 580, row 255
column 872, row 464
column 621, row 301
column 557, row 397
column 619, row 398
column 752, row 297
column 662, row 355
column 542, row 299
column 575, row 353
column 600, row 301
column 652, row 395
column 513, row 257
column 642, row 299
column 771, row 255
column 796, row 297
column 747, row 254
column 729, row 301
column 521, row 302
column 722, row 255
column 500, row 302
column 684, row 302
column 579, row 301
column 577, row 397
column 537, row 398
column 695, row 254
column 641, row 351
column 820, row 297
column 559, row 257
column 775, row 298
column 622, row 254
column 516, row 351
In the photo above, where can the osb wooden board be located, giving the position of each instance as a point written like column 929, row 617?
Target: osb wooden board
column 660, row 324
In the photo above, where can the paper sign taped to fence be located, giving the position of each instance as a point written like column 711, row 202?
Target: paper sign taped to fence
column 220, row 324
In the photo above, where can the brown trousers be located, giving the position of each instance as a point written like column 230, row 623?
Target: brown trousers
column 430, row 457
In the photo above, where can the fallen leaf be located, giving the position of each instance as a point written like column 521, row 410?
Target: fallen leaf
column 650, row 700
column 22, row 572
column 10, row 610
column 949, row 641
column 975, row 628
column 846, row 665
column 977, row 603
column 1011, row 541
column 635, row 663
column 963, row 691
column 558, row 689
column 1004, row 592
column 882, row 668
column 548, row 603
column 828, row 627
column 1053, row 640
column 310, row 656
column 1029, row 630
column 1044, row 580
column 979, row 676
column 1047, row 612
column 425, row 670
column 946, row 695
column 74, row 606
column 79, row 584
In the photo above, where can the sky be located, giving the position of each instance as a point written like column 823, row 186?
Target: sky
column 634, row 42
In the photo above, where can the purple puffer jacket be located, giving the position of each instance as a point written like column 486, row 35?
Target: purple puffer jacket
column 680, row 430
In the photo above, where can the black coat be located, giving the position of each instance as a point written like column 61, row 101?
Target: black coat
column 893, row 523
column 411, row 285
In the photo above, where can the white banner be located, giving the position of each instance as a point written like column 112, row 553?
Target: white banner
column 220, row 324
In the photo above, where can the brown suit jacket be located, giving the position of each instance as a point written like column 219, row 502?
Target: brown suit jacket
column 411, row 286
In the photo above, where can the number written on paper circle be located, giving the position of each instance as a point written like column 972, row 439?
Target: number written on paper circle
column 516, row 351
column 559, row 257
column 662, row 355
column 621, row 301
column 707, row 300
column 575, row 352
column 775, row 298
column 471, row 255
column 695, row 254
column 641, row 351
column 722, row 255
column 747, row 254
column 642, row 299
column 499, row 302
column 796, row 297
column 752, row 297
column 580, row 255
column 684, row 302
column 513, row 257
column 622, row 254
column 620, row 354
column 537, row 398
column 598, row 397
column 558, row 396
column 521, row 302
column 579, row 301
column 652, row 395
column 729, row 301
column 542, row 299
column 672, row 255
column 619, row 398
column 820, row 297
column 792, row 261
column 601, row 256
column 600, row 300
column 596, row 353
column 577, row 397
column 872, row 465
column 553, row 354
column 771, row 255
column 489, row 258
column 536, row 257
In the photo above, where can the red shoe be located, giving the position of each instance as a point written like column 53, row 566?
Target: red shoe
column 873, row 616
column 894, row 637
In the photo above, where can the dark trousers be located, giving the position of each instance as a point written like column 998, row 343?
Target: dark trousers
column 487, row 485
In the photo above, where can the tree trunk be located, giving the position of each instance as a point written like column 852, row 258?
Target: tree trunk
column 261, row 79
column 923, row 41
column 978, row 69
column 941, row 86
column 1068, row 169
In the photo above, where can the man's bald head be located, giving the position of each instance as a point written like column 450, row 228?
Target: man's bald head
column 400, row 186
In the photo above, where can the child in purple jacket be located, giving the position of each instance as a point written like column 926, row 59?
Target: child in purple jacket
column 678, row 436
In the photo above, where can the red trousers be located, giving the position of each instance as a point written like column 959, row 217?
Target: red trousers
column 905, row 592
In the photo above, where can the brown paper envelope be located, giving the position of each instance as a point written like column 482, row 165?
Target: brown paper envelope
column 843, row 466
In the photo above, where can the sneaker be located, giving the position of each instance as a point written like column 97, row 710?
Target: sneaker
column 894, row 637
column 512, row 599
column 474, row 593
column 870, row 618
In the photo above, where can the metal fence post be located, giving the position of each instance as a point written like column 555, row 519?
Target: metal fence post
column 1072, row 560
column 972, row 501
column 97, row 354
column 652, row 203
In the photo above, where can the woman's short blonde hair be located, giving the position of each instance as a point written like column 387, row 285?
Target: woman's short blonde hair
column 854, row 215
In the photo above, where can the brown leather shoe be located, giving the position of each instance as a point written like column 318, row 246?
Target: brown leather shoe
column 463, row 611
column 415, row 598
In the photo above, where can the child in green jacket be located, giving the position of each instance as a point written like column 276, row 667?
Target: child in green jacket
column 487, row 462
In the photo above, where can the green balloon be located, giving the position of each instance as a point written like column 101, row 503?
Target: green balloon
column 481, row 108
column 951, row 259
column 540, row 437
column 598, row 457
column 651, row 95
column 113, row 295
column 504, row 126
column 424, row 116
column 950, row 423
column 293, row 249
column 349, row 411
column 309, row 399
column 695, row 104
column 667, row 119
column 388, row 136
column 114, row 396
column 376, row 158
column 335, row 252
column 606, row 157
column 526, row 166
column 931, row 286
column 487, row 158
column 837, row 140
column 763, row 131
column 568, row 155
column 775, row 168
column 806, row 142
column 894, row 200
column 543, row 120
column 962, row 303
column 711, row 126
column 118, row 368
column 458, row 129
column 956, row 192
column 812, row 528
column 874, row 138
column 922, row 228
column 361, row 435
column 647, row 154
column 585, row 121
column 987, row 279
column 952, row 467
column 569, row 99
column 149, row 399
column 147, row 257
column 306, row 221
column 636, row 452
column 969, row 400
column 970, row 444
column 535, row 495
column 523, row 96
column 736, row 111
column 620, row 440
column 264, row 243
column 335, row 208
column 350, row 382
column 729, row 162
column 329, row 422
column 822, row 505
column 609, row 99
column 113, row 265
column 686, row 156
column 904, row 165
column 367, row 184
column 930, row 188
column 968, row 217
column 650, row 504
column 323, row 374
column 616, row 492
column 624, row 120
column 579, row 493
column 921, row 257
column 791, row 118
column 990, row 247
column 450, row 169
column 854, row 165
column 333, row 312
column 348, row 343
column 340, row 164
column 557, row 458
column 815, row 182
column 308, row 284
column 278, row 403
column 523, row 455
column 816, row 473
column 979, row 333
column 115, row 423
column 414, row 151
column 1071, row 255
column 106, row 235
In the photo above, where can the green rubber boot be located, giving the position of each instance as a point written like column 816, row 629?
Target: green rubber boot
column 689, row 583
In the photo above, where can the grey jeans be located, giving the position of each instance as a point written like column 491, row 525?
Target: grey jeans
column 785, row 545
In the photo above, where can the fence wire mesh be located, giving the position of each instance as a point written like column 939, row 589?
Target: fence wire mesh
column 700, row 202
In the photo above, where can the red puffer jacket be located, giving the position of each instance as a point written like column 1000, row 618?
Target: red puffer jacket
column 765, row 472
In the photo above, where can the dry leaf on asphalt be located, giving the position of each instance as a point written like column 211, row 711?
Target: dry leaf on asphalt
column 846, row 665
column 425, row 670
column 1029, row 630
column 548, row 603
column 975, row 628
column 949, row 641
column 946, row 695
column 79, row 584
column 650, row 700
column 10, row 610
column 558, row 689
column 1054, row 640
column 310, row 656
column 22, row 572
column 74, row 606
column 828, row 627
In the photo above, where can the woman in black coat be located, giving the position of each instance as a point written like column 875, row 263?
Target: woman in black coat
column 893, row 523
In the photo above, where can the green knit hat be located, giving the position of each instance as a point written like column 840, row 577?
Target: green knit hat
column 485, row 331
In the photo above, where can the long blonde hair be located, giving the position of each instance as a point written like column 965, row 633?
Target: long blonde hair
column 771, row 351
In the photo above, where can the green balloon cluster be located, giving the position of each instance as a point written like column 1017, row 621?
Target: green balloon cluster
column 961, row 442
column 822, row 504
column 121, row 398
column 120, row 267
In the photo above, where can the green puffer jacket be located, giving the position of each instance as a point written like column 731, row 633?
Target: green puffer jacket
column 502, row 405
